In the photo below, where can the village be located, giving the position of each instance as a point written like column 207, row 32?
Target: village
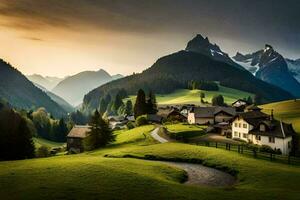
column 240, row 122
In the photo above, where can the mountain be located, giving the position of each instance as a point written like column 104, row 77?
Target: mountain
column 175, row 71
column 73, row 88
column 269, row 66
column 294, row 67
column 48, row 82
column 202, row 45
column 22, row 93
column 60, row 101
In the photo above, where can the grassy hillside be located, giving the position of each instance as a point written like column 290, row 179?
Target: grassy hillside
column 193, row 96
column 288, row 111
column 38, row 142
column 105, row 174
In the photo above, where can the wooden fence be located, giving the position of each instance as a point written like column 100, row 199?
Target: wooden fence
column 253, row 152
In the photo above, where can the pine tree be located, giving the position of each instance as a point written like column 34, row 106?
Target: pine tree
column 100, row 133
column 63, row 130
column 128, row 108
column 140, row 106
column 117, row 103
column 151, row 104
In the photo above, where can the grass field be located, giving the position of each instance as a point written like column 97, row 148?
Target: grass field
column 38, row 142
column 105, row 174
column 193, row 96
column 185, row 130
column 288, row 111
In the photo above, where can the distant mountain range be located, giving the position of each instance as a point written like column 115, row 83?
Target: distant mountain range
column 60, row 101
column 200, row 61
column 73, row 88
column 21, row 93
column 269, row 66
column 47, row 82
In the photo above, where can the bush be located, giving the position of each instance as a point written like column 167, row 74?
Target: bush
column 42, row 152
column 141, row 120
column 130, row 125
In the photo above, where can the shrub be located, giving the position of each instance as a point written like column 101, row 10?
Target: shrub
column 141, row 120
column 130, row 125
column 42, row 152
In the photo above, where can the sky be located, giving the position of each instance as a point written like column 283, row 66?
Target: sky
column 64, row 37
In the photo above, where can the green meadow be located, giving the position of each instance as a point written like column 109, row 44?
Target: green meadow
column 108, row 173
column 288, row 111
column 38, row 142
column 184, row 96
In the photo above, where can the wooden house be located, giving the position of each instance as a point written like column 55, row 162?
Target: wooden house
column 75, row 138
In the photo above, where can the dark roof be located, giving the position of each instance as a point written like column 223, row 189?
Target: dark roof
column 274, row 128
column 253, row 108
column 253, row 117
column 79, row 131
column 204, row 112
column 229, row 110
column 212, row 111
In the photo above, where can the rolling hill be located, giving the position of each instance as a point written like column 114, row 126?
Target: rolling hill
column 73, row 88
column 174, row 71
column 21, row 93
column 288, row 111
column 184, row 96
column 93, row 175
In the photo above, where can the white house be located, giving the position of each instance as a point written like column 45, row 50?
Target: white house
column 261, row 129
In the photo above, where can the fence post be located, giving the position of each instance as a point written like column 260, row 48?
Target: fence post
column 239, row 148
column 216, row 144
column 242, row 149
column 254, row 153
column 229, row 147
column 271, row 156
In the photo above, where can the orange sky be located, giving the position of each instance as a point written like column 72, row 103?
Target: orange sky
column 60, row 38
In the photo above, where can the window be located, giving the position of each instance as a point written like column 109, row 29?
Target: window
column 244, row 125
column 271, row 139
column 235, row 134
column 245, row 135
column 235, row 124
column 239, row 135
column 262, row 128
column 257, row 137
column 240, row 125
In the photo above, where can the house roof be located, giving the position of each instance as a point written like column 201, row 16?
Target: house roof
column 79, row 131
column 210, row 112
column 204, row 112
column 253, row 117
column 274, row 128
column 253, row 108
column 229, row 110
column 240, row 100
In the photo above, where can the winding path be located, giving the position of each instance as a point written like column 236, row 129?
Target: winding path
column 201, row 175
column 155, row 135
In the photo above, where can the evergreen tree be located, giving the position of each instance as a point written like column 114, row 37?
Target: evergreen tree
column 103, row 106
column 100, row 133
column 63, row 130
column 128, row 108
column 140, row 106
column 117, row 103
column 249, row 100
column 202, row 96
column 151, row 104
column 218, row 100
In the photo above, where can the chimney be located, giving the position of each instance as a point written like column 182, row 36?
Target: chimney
column 272, row 115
